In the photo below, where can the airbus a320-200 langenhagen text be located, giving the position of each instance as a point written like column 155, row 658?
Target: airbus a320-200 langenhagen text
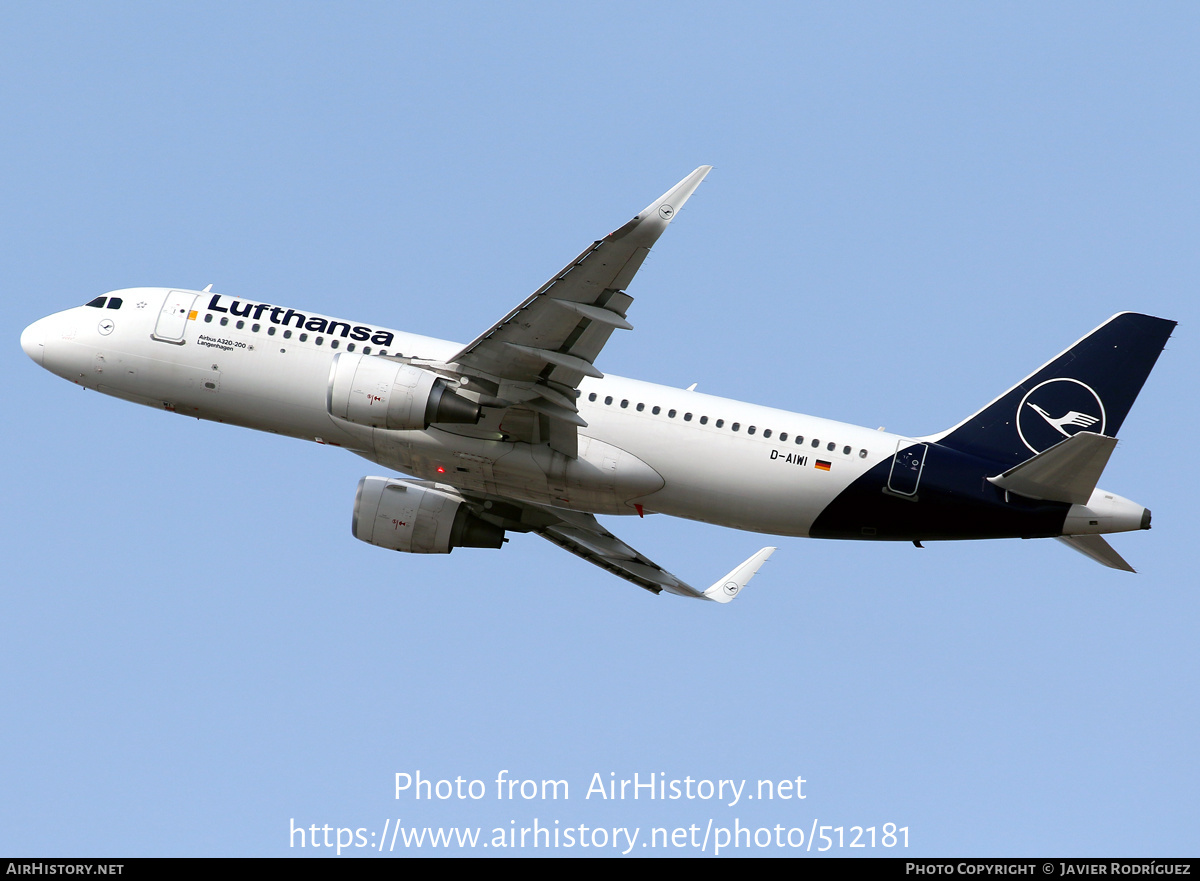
column 518, row 431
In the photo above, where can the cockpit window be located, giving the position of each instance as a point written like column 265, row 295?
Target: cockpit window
column 114, row 303
column 98, row 302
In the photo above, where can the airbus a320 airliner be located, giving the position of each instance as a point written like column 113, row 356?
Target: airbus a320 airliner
column 518, row 431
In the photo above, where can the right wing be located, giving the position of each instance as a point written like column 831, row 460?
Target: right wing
column 535, row 357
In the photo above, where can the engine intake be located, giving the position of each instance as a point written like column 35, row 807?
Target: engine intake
column 401, row 516
column 381, row 393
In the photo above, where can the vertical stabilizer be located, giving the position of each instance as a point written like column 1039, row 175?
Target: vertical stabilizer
column 1089, row 387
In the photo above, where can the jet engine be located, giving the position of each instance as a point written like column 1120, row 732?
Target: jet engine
column 402, row 516
column 381, row 393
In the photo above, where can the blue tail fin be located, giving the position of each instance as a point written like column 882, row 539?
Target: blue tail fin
column 1089, row 387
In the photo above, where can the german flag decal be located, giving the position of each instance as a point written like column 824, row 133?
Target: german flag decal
column 822, row 465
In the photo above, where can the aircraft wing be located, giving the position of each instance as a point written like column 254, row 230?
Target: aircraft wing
column 583, row 536
column 536, row 356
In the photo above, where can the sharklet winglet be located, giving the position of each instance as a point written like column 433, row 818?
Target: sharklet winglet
column 725, row 589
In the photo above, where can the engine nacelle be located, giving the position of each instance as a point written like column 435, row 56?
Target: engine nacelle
column 402, row 516
column 381, row 393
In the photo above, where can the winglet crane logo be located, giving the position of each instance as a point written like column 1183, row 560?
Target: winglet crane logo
column 1057, row 409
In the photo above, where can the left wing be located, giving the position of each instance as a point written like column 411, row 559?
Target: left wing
column 535, row 357
column 582, row 535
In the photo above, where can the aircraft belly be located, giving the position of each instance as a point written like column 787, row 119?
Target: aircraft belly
column 237, row 387
column 603, row 479
column 739, row 482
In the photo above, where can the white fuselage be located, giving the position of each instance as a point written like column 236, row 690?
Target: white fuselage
column 666, row 450
column 645, row 447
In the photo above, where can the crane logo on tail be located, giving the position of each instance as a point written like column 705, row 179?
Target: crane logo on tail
column 1057, row 409
column 1074, row 417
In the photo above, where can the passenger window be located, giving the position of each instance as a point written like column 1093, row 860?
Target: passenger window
column 240, row 324
column 608, row 399
column 846, row 451
column 304, row 338
column 383, row 353
column 287, row 334
column 592, row 396
column 704, row 420
column 641, row 407
column 208, row 318
column 224, row 320
column 750, row 430
column 624, row 405
column 782, row 436
column 720, row 423
column 349, row 347
column 799, row 439
column 831, row 446
column 98, row 302
column 735, row 426
column 816, row 443
column 254, row 328
column 687, row 417
column 656, row 410
column 114, row 303
column 766, row 432
column 670, row 414
column 320, row 341
column 333, row 344
column 862, row 454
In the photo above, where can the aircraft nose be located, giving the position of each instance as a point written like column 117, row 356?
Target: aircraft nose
column 33, row 340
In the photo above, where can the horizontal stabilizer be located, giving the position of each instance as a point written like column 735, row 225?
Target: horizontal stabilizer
column 1067, row 472
column 731, row 585
column 1098, row 549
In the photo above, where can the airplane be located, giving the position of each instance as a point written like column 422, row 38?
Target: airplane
column 518, row 431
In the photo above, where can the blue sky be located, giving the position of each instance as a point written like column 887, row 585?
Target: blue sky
column 911, row 209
